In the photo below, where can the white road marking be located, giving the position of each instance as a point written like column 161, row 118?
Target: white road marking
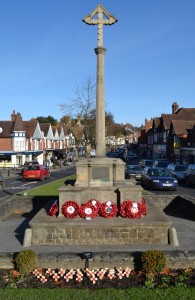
column 33, row 182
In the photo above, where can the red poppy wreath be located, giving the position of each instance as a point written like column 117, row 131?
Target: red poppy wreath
column 70, row 209
column 97, row 204
column 88, row 210
column 133, row 210
column 123, row 208
column 109, row 209
column 54, row 209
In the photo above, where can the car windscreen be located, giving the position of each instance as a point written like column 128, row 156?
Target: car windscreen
column 159, row 173
column 34, row 167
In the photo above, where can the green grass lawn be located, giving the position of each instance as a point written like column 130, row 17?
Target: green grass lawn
column 49, row 189
column 99, row 294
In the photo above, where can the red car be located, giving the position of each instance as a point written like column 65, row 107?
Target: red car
column 36, row 172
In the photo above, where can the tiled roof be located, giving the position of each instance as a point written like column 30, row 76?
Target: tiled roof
column 186, row 113
column 30, row 127
column 6, row 128
column 182, row 114
column 148, row 125
column 45, row 128
column 182, row 127
column 16, row 124
column 167, row 118
column 156, row 122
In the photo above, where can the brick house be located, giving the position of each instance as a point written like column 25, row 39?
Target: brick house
column 22, row 141
column 17, row 141
column 170, row 133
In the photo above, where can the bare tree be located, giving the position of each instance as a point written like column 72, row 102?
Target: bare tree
column 82, row 105
column 83, row 101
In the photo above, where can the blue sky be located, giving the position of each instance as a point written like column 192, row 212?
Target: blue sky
column 46, row 50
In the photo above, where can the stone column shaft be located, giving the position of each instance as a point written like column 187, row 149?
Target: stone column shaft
column 100, row 104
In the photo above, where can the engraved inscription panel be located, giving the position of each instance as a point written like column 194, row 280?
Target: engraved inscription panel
column 100, row 173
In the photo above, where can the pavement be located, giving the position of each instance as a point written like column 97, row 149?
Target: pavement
column 12, row 235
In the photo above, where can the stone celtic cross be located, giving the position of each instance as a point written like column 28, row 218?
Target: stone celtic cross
column 100, row 17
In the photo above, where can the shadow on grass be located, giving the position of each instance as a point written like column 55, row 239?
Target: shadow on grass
column 70, row 181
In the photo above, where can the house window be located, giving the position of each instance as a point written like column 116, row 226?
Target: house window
column 164, row 137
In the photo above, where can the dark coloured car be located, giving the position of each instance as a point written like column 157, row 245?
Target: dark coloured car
column 36, row 172
column 178, row 171
column 133, row 171
column 146, row 163
column 190, row 175
column 158, row 179
column 161, row 163
column 129, row 156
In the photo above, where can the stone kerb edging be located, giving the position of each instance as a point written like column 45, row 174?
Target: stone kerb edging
column 176, row 259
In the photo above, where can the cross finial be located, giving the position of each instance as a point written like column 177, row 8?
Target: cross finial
column 100, row 17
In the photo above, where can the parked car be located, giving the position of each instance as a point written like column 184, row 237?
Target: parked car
column 158, row 178
column 28, row 163
column 146, row 163
column 178, row 171
column 129, row 156
column 161, row 163
column 133, row 171
column 190, row 175
column 37, row 172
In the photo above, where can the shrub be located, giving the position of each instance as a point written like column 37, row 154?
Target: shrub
column 26, row 261
column 153, row 261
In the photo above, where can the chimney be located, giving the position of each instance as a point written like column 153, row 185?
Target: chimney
column 13, row 116
column 175, row 107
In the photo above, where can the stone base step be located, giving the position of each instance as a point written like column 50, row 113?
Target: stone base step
column 151, row 229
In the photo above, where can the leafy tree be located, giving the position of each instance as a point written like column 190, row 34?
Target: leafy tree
column 48, row 119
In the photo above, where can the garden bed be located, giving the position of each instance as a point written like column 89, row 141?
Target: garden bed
column 97, row 279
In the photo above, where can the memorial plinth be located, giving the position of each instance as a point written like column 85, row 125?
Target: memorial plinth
column 102, row 179
column 149, row 230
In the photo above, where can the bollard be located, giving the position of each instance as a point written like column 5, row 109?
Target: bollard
column 8, row 172
column 173, row 237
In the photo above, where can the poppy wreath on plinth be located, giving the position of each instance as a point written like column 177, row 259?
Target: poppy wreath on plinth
column 123, row 208
column 97, row 204
column 70, row 209
column 88, row 210
column 54, row 209
column 133, row 210
column 109, row 209
column 143, row 207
